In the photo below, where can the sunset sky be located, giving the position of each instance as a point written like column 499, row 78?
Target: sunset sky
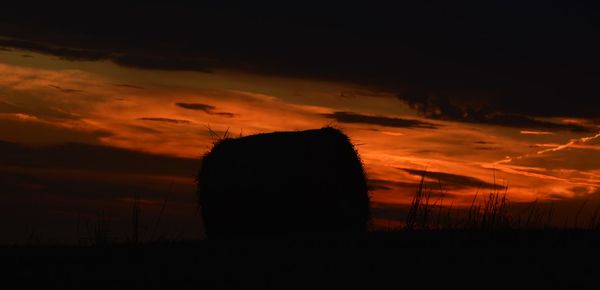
column 96, row 106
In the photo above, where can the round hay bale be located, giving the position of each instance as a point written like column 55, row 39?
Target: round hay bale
column 300, row 183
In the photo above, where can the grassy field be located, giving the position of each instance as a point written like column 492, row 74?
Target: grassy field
column 487, row 245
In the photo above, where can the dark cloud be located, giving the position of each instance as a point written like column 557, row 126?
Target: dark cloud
column 144, row 129
column 196, row 106
column 488, row 148
column 136, row 58
column 484, row 142
column 165, row 120
column 61, row 52
column 166, row 62
column 79, row 156
column 444, row 108
column 486, row 145
column 382, row 184
column 453, row 180
column 65, row 90
column 33, row 132
column 497, row 62
column 224, row 114
column 349, row 117
column 205, row 108
column 129, row 86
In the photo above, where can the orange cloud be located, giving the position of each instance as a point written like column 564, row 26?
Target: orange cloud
column 170, row 113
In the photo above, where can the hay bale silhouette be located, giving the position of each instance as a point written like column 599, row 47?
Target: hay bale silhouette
column 300, row 183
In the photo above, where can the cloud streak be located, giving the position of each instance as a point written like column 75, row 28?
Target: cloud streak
column 524, row 132
column 449, row 179
column 553, row 148
column 165, row 120
column 355, row 118
column 65, row 90
column 570, row 144
column 208, row 109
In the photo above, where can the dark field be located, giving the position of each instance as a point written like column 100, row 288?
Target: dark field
column 490, row 245
column 542, row 259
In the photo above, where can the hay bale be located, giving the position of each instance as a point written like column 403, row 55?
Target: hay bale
column 284, row 184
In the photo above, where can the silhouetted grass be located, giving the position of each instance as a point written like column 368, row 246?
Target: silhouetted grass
column 440, row 245
column 490, row 213
column 94, row 233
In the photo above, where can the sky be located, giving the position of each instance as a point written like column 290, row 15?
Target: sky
column 99, row 103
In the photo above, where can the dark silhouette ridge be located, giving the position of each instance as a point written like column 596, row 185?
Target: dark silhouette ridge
column 284, row 184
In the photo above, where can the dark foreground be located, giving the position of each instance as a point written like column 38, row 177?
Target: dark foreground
column 398, row 260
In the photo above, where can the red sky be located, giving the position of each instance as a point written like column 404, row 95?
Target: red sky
column 47, row 101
